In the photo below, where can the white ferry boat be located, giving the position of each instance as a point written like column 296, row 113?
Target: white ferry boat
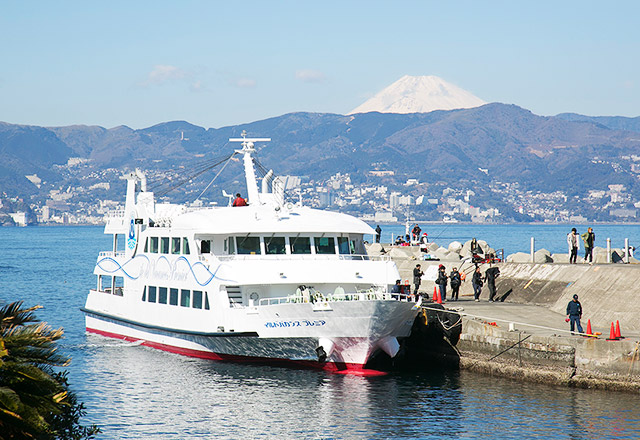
column 269, row 282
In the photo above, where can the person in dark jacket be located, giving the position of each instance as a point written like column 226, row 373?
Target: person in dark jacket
column 574, row 313
column 417, row 275
column 490, row 276
column 415, row 233
column 455, row 281
column 378, row 233
column 476, row 282
column 589, row 239
column 441, row 281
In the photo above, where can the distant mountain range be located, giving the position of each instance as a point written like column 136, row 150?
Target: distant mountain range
column 490, row 143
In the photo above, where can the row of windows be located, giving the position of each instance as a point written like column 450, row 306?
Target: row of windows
column 172, row 296
column 167, row 245
column 251, row 245
column 278, row 245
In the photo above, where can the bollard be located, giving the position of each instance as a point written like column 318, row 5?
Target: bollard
column 608, row 250
column 533, row 250
column 626, row 250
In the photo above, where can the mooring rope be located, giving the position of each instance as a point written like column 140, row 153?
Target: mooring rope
column 489, row 319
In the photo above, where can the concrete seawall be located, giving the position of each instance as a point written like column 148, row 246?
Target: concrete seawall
column 539, row 346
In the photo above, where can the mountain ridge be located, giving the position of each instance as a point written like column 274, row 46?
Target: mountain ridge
column 452, row 148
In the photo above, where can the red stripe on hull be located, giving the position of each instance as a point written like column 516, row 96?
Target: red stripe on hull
column 334, row 367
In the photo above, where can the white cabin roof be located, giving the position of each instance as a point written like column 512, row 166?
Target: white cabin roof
column 263, row 220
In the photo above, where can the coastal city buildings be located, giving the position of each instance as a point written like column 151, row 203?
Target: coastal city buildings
column 379, row 196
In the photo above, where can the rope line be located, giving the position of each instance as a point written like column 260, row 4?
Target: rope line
column 509, row 348
column 185, row 180
column 461, row 313
column 216, row 176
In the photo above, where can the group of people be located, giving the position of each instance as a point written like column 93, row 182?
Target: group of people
column 416, row 237
column 573, row 240
column 455, row 280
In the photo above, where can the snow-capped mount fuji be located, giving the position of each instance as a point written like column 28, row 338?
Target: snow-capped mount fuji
column 419, row 94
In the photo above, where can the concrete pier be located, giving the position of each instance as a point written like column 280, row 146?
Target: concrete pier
column 525, row 335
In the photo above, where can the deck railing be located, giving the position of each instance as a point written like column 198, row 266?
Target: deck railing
column 111, row 254
column 336, row 297
column 303, row 257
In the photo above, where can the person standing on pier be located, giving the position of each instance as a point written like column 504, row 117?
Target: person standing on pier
column 378, row 233
column 417, row 275
column 490, row 275
column 589, row 239
column 455, row 281
column 476, row 282
column 441, row 281
column 574, row 313
column 574, row 245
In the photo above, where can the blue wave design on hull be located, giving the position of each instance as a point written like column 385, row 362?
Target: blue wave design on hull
column 172, row 267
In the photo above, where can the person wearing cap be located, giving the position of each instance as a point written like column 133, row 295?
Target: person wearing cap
column 574, row 313
column 574, row 245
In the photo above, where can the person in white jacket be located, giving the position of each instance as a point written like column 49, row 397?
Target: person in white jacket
column 574, row 245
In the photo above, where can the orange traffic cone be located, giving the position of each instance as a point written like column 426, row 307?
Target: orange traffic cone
column 612, row 334
column 439, row 300
column 589, row 331
column 435, row 294
column 618, row 335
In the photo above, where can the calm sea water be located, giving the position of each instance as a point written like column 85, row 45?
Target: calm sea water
column 517, row 238
column 134, row 392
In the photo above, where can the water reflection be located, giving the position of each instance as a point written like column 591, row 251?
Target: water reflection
column 137, row 392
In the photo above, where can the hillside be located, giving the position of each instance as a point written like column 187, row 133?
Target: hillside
column 476, row 148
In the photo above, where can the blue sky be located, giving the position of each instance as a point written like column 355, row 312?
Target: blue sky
column 214, row 63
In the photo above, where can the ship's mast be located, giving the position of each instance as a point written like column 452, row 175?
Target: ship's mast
column 249, row 171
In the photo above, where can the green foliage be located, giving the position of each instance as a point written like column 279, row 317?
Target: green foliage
column 35, row 401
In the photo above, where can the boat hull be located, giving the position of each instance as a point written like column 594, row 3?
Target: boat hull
column 348, row 351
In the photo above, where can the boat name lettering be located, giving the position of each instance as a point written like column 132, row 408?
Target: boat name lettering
column 302, row 323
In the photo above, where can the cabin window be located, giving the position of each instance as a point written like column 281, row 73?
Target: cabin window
column 144, row 293
column 173, row 297
column 343, row 246
column 175, row 245
column 206, row 301
column 229, row 246
column 164, row 245
column 146, row 245
column 300, row 245
column 152, row 294
column 118, row 286
column 275, row 245
column 104, row 283
column 185, row 246
column 249, row 245
column 197, row 299
column 185, row 298
column 324, row 245
column 162, row 295
column 205, row 247
column 153, row 248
